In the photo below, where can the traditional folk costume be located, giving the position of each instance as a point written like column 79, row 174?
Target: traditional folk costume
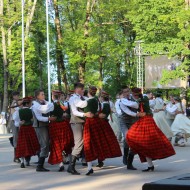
column 15, row 129
column 27, row 144
column 61, row 136
column 159, row 116
column 181, row 124
column 129, row 108
column 146, row 139
column 41, row 111
column 99, row 139
column 77, row 120
column 170, row 117
column 113, row 121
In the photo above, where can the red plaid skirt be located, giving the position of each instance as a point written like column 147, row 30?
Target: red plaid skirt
column 98, row 143
column 27, row 144
column 61, row 139
column 147, row 140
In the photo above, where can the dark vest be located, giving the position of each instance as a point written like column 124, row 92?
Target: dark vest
column 106, row 110
column 37, row 123
column 57, row 112
column 25, row 114
column 129, row 118
column 92, row 106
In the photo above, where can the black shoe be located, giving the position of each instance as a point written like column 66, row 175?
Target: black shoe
column 91, row 171
column 149, row 169
column 131, row 167
column 62, row 168
column 125, row 155
column 17, row 160
column 22, row 165
column 66, row 163
column 11, row 141
column 71, row 168
column 41, row 169
column 84, row 164
column 72, row 171
column 100, row 164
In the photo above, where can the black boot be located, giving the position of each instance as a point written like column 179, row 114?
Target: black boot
column 130, row 162
column 125, row 155
column 71, row 168
column 40, row 166
column 100, row 164
column 17, row 160
column 11, row 141
column 27, row 160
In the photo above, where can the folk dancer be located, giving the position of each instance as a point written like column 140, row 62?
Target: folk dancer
column 99, row 139
column 77, row 102
column 41, row 109
column 27, row 144
column 181, row 124
column 159, row 116
column 60, row 133
column 129, row 108
column 146, row 139
column 15, row 129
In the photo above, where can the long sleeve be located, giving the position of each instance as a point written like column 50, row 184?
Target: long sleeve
column 152, row 103
column 125, row 109
column 171, row 109
column 75, row 102
column 16, row 118
column 129, row 103
column 117, row 107
column 43, row 108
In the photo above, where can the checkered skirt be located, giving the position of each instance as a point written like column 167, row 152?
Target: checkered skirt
column 27, row 144
column 146, row 139
column 61, row 139
column 98, row 142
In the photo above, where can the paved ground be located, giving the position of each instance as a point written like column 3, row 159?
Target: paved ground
column 114, row 176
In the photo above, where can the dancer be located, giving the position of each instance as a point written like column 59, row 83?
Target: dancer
column 129, row 108
column 181, row 124
column 60, row 133
column 112, row 146
column 99, row 139
column 41, row 109
column 146, row 139
column 15, row 129
column 27, row 144
column 170, row 117
column 159, row 116
column 77, row 120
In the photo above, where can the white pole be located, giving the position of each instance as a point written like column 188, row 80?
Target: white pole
column 48, row 56
column 23, row 60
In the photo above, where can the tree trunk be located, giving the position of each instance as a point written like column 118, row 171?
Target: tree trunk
column 5, row 61
column 82, row 65
column 29, row 17
column 59, row 54
column 5, row 70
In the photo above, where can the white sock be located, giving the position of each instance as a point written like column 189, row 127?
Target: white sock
column 149, row 161
column 22, row 160
column 89, row 165
column 61, row 164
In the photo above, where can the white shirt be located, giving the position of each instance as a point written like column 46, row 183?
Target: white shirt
column 117, row 107
column 174, row 108
column 16, row 117
column 152, row 103
column 76, row 102
column 124, row 103
column 39, row 109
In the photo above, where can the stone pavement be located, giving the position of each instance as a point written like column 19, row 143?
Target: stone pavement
column 114, row 176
